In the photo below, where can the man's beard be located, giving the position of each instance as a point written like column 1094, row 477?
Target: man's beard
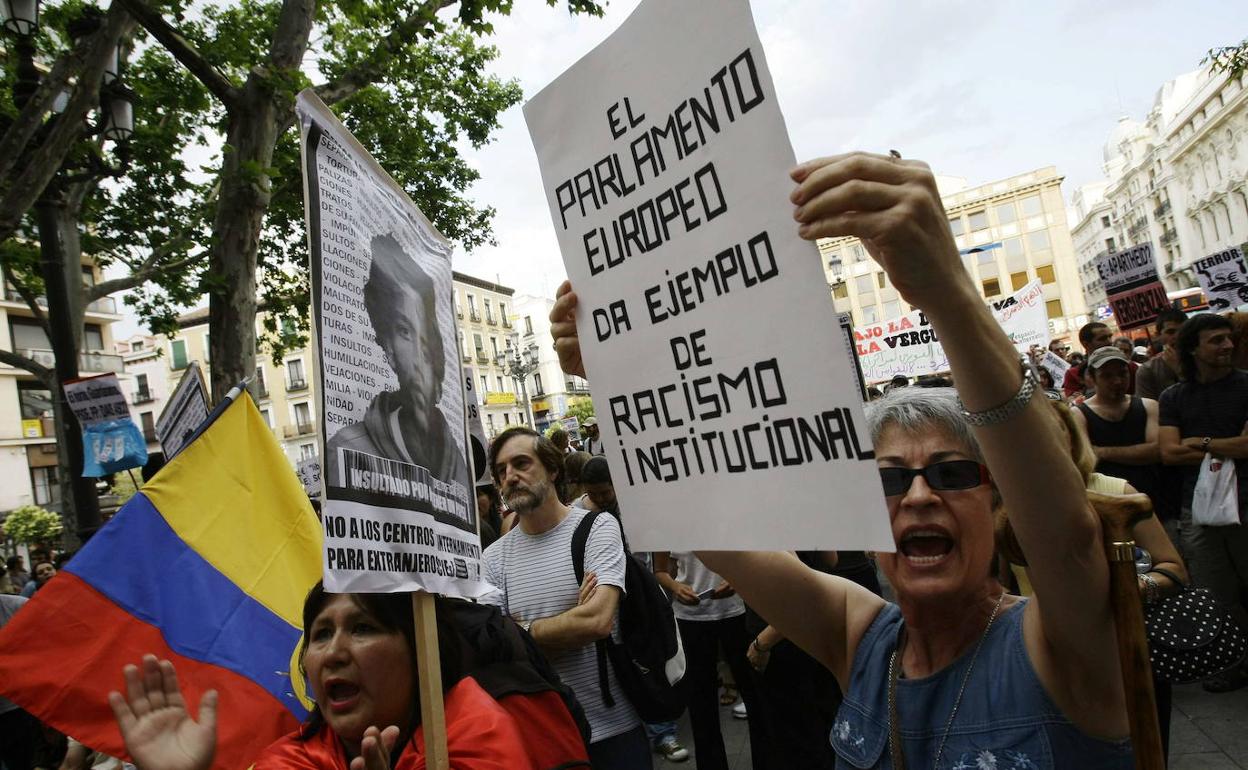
column 523, row 499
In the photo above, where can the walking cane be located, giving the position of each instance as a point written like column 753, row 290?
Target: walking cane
column 1118, row 514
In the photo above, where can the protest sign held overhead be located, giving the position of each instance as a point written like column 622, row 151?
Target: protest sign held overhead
column 397, row 505
column 478, row 444
column 1132, row 287
column 908, row 345
column 1224, row 279
column 96, row 399
column 1056, row 366
column 111, row 441
column 665, row 161
column 186, row 411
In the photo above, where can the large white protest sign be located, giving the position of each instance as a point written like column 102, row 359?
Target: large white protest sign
column 397, row 504
column 186, row 411
column 1224, row 279
column 705, row 322
column 96, row 399
column 908, row 345
column 1132, row 286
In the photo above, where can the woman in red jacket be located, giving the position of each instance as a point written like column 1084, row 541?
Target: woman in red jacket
column 359, row 655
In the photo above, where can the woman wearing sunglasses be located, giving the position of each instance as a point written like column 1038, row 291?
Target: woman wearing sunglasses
column 957, row 673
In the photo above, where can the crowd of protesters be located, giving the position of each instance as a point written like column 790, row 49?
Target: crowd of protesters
column 995, row 646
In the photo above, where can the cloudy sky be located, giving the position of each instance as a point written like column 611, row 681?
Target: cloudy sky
column 979, row 90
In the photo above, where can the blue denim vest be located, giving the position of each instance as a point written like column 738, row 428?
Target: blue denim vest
column 1006, row 720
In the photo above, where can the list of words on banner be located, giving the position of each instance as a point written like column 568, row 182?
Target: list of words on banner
column 397, row 506
column 718, row 376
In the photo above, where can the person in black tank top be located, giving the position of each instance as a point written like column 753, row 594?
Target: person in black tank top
column 1123, row 428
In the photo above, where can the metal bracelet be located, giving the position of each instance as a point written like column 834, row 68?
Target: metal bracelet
column 999, row 414
column 1152, row 590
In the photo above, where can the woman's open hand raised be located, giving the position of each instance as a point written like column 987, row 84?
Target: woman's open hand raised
column 155, row 724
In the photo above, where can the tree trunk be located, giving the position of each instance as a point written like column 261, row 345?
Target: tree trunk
column 244, row 198
column 63, row 286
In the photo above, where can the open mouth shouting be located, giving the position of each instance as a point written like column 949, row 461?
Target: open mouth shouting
column 341, row 695
column 925, row 546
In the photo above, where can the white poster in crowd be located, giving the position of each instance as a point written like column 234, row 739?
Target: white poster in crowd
column 1056, row 366
column 665, row 163
column 96, row 399
column 398, row 508
column 186, row 411
column 309, row 473
column 908, row 345
column 1224, row 279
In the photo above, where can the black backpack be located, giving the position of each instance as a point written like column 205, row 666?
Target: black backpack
column 648, row 660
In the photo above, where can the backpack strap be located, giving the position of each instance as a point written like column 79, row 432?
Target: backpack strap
column 580, row 538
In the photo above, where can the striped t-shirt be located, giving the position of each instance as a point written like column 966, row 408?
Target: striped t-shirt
column 535, row 580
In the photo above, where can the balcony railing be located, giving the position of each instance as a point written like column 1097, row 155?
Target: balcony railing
column 1138, row 225
column 298, row 429
column 574, row 388
column 101, row 305
column 87, row 362
column 506, row 322
column 482, row 358
column 1161, row 210
column 142, row 397
column 489, row 319
column 1169, row 237
column 474, row 316
column 299, row 384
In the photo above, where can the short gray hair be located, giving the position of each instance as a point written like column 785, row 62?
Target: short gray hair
column 915, row 410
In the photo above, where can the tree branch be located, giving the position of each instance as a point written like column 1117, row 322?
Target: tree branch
column 137, row 278
column 367, row 72
column 29, row 298
column 66, row 129
column 17, row 138
column 186, row 53
column 22, row 362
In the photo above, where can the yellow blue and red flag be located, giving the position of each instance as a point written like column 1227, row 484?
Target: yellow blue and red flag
column 208, row 566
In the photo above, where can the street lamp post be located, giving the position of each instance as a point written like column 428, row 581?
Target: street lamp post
column 518, row 363
column 20, row 18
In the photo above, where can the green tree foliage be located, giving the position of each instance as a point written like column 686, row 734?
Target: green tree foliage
column 407, row 76
column 1231, row 59
column 581, row 407
column 30, row 524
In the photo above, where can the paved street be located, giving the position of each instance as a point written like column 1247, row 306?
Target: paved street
column 1208, row 733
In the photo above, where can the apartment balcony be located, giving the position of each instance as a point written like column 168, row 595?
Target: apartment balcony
column 106, row 305
column 482, row 358
column 299, row 384
column 489, row 319
column 572, row 387
column 506, row 322
column 298, row 429
column 467, row 357
column 474, row 316
column 88, row 363
column 1169, row 237
column 1161, row 210
column 142, row 397
column 1138, row 226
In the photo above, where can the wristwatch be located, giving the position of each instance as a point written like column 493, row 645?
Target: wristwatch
column 1002, row 412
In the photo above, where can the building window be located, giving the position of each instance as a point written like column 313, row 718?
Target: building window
column 992, row 287
column 136, row 346
column 207, row 347
column 489, row 311
column 857, row 253
column 1032, row 206
column 869, row 314
column 864, row 284
column 141, row 390
column 955, row 225
column 1005, row 213
column 267, row 417
column 879, row 279
column 149, row 426
column 1109, row 245
column 892, row 309
column 478, row 344
column 43, row 482
column 841, row 290
column 500, row 384
column 506, row 418
column 1013, row 247
column 307, row 452
column 1054, row 306
column 489, row 422
column 537, row 384
column 986, row 257
column 1018, row 280
column 978, row 220
column 1105, row 221
column 34, row 399
column 177, row 354
column 303, row 417
column 494, row 345
column 502, row 312
column 528, row 325
column 472, row 306
column 1045, row 274
column 1038, row 240
column 261, row 386
column 294, row 371
column 484, row 386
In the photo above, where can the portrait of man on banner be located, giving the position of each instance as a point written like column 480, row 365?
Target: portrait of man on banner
column 406, row 424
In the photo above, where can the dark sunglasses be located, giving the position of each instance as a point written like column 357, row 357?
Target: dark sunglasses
column 943, row 476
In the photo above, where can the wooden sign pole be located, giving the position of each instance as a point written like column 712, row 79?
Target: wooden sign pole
column 1118, row 515
column 429, row 671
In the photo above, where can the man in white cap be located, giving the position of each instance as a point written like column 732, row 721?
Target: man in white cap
column 593, row 442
